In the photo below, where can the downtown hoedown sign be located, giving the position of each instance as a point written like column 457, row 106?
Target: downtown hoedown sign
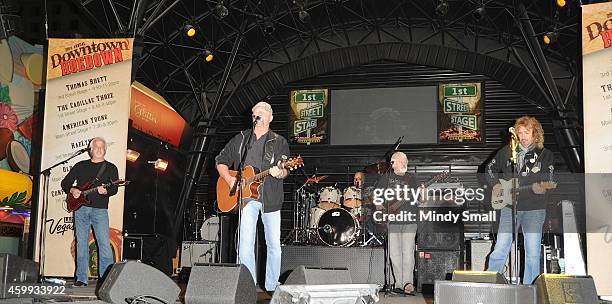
column 87, row 95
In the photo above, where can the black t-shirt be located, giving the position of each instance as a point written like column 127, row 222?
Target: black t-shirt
column 408, row 182
column 86, row 171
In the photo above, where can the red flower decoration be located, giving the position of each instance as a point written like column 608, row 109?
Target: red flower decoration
column 8, row 118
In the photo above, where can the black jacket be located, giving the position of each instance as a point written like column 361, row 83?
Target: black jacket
column 538, row 167
column 275, row 148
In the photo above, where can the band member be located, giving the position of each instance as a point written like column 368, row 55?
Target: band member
column 401, row 234
column 359, row 179
column 535, row 165
column 96, row 170
column 265, row 150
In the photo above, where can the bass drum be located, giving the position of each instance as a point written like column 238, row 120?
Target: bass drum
column 337, row 227
column 210, row 229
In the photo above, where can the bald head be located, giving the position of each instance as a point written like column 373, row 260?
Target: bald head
column 399, row 163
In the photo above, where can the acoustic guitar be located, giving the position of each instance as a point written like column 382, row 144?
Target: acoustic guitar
column 505, row 196
column 251, row 184
column 73, row 204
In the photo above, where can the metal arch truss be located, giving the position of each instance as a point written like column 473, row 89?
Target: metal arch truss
column 172, row 63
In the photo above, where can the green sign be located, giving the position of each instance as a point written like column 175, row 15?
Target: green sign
column 312, row 112
column 459, row 91
column 310, row 96
column 454, row 106
column 466, row 121
column 303, row 125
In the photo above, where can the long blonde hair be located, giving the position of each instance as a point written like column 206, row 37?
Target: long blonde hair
column 530, row 122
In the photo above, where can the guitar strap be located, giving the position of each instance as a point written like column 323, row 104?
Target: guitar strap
column 100, row 171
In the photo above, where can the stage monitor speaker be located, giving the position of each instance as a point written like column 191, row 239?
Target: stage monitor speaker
column 326, row 294
column 304, row 275
column 435, row 265
column 220, row 284
column 561, row 289
column 449, row 292
column 129, row 280
column 15, row 269
column 479, row 277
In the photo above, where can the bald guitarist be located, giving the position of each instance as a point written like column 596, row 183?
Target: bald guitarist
column 266, row 150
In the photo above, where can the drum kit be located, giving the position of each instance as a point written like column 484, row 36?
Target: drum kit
column 330, row 217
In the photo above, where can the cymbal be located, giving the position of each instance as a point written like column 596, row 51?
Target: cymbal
column 378, row 168
column 315, row 179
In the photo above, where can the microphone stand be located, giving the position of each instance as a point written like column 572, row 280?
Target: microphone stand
column 42, row 233
column 238, row 185
column 388, row 287
column 513, row 263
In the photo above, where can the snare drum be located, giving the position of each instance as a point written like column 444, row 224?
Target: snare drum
column 337, row 227
column 352, row 197
column 329, row 198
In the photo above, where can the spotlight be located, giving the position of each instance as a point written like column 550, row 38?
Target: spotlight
column 442, row 8
column 550, row 37
column 561, row 3
column 191, row 30
column 207, row 54
column 268, row 27
column 304, row 16
column 132, row 155
column 479, row 13
column 221, row 10
column 159, row 164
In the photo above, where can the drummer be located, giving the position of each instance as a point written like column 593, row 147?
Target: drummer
column 359, row 179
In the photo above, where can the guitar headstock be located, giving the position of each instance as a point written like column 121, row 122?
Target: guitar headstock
column 293, row 163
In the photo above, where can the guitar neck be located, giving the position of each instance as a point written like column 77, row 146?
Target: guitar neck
column 89, row 191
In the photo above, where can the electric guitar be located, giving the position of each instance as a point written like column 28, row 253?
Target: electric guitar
column 505, row 196
column 251, row 184
column 73, row 204
column 395, row 205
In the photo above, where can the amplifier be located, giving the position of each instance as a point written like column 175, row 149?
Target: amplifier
column 198, row 252
column 436, row 265
column 132, row 248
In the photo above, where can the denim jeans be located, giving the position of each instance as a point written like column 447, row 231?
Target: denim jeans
column 531, row 223
column 84, row 218
column 248, row 233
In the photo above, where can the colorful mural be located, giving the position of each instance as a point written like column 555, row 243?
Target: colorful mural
column 21, row 66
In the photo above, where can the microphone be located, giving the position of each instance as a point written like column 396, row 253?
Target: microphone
column 256, row 119
column 512, row 131
column 513, row 145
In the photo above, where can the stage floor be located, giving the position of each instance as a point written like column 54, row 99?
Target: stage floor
column 88, row 294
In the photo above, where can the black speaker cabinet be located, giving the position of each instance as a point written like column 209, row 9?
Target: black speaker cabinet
column 303, row 275
column 435, row 265
column 449, row 292
column 14, row 269
column 129, row 280
column 561, row 289
column 441, row 235
column 220, row 284
column 479, row 277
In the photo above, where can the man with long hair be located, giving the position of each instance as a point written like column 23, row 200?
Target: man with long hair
column 534, row 166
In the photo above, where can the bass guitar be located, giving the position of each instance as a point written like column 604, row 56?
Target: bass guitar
column 504, row 198
column 395, row 206
column 73, row 204
column 251, row 184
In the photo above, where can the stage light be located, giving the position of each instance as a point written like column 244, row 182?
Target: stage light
column 221, row 10
column 561, row 3
column 550, row 37
column 442, row 8
column 132, row 155
column 479, row 13
column 190, row 30
column 159, row 164
column 304, row 16
column 208, row 55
